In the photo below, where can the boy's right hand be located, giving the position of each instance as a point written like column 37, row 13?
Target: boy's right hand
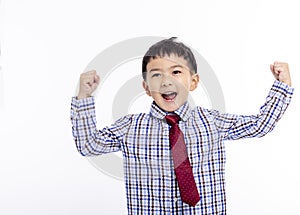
column 89, row 81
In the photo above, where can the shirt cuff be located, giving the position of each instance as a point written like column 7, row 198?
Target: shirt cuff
column 82, row 107
column 282, row 91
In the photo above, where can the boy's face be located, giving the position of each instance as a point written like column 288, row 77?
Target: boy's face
column 168, row 81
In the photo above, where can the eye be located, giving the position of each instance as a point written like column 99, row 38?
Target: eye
column 155, row 75
column 176, row 72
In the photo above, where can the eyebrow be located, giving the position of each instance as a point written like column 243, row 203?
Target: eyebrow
column 171, row 67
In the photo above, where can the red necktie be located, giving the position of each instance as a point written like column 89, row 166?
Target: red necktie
column 183, row 170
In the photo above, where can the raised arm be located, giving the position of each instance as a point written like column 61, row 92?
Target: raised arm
column 234, row 127
column 90, row 141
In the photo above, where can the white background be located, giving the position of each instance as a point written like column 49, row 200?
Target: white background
column 45, row 45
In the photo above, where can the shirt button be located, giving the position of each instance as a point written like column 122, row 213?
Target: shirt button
column 175, row 199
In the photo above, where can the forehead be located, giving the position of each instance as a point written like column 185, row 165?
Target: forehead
column 166, row 62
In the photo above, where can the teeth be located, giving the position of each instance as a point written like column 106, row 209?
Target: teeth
column 169, row 95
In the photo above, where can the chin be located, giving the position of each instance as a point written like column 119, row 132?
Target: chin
column 169, row 108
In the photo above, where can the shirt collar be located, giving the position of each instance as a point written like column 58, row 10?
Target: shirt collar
column 183, row 111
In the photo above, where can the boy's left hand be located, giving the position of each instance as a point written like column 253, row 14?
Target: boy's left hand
column 281, row 72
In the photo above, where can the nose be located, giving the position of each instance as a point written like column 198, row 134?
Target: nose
column 166, row 81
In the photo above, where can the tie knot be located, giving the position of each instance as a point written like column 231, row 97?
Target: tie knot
column 172, row 119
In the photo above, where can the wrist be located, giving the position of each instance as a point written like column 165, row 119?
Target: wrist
column 82, row 96
column 288, row 82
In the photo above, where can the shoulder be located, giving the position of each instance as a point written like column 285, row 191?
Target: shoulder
column 134, row 118
column 208, row 115
column 204, row 112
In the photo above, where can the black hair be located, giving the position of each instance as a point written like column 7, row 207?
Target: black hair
column 167, row 47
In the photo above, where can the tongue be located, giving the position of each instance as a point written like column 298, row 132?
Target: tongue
column 170, row 96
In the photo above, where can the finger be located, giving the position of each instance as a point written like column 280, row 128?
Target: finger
column 88, row 75
column 274, row 74
column 87, row 78
column 272, row 68
column 97, row 79
column 88, row 84
column 94, row 86
column 281, row 64
column 277, row 63
column 91, row 72
column 277, row 72
column 277, row 68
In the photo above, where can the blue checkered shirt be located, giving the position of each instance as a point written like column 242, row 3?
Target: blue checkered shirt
column 151, row 186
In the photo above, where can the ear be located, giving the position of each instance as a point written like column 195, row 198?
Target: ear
column 194, row 82
column 146, row 87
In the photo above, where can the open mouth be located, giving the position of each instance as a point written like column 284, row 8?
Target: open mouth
column 169, row 96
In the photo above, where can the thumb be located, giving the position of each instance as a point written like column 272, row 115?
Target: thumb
column 96, row 82
column 97, row 79
column 271, row 67
column 273, row 70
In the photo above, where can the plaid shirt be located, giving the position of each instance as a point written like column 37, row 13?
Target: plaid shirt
column 151, row 186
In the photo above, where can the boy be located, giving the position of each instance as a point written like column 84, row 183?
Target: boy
column 171, row 166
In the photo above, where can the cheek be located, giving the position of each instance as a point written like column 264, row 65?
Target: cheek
column 184, row 85
column 154, row 86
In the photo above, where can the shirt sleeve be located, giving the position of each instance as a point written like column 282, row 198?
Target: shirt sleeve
column 90, row 141
column 234, row 127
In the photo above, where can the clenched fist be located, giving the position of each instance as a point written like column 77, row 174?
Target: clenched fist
column 281, row 72
column 89, row 81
